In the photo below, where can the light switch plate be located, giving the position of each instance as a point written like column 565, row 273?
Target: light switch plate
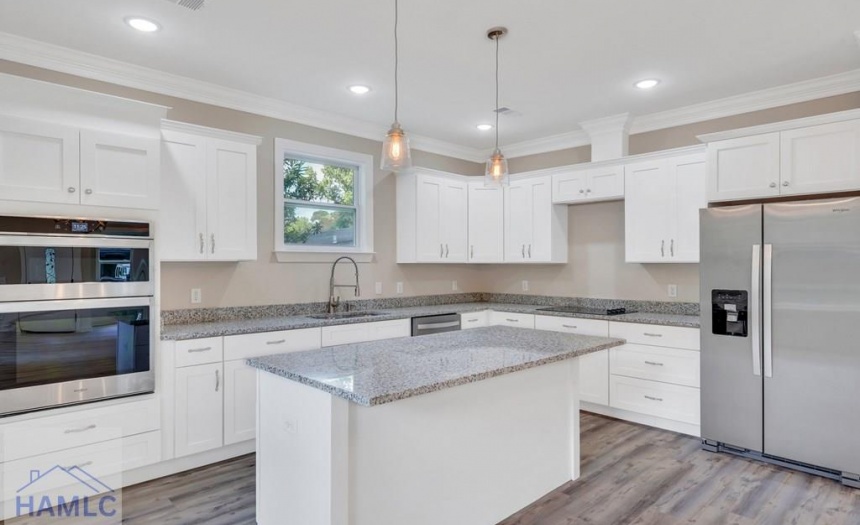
column 196, row 296
column 673, row 290
column 399, row 287
column 525, row 286
column 378, row 289
column 454, row 286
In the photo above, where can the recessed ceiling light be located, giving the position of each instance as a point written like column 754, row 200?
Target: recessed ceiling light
column 359, row 89
column 648, row 83
column 485, row 127
column 143, row 25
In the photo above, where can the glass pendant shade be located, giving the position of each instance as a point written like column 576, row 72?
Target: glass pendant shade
column 497, row 170
column 395, row 150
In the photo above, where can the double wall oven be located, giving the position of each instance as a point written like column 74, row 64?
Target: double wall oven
column 76, row 299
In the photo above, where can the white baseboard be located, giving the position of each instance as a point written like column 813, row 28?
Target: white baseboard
column 642, row 419
column 175, row 466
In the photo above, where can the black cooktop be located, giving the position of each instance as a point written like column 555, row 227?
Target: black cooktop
column 584, row 310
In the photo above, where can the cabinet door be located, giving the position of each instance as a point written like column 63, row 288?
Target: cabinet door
column 821, row 159
column 539, row 248
column 119, row 170
column 240, row 402
column 428, row 230
column 518, row 220
column 594, row 377
column 199, row 408
column 606, row 183
column 688, row 173
column 569, row 188
column 182, row 214
column 455, row 217
column 231, row 195
column 743, row 168
column 38, row 162
column 486, row 223
column 648, row 212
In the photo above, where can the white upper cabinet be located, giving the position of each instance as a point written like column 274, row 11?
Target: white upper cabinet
column 209, row 195
column 803, row 157
column 592, row 184
column 535, row 228
column 486, row 223
column 661, row 209
column 432, row 217
column 119, row 170
column 820, row 159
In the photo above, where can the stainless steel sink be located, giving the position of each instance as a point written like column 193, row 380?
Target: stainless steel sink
column 344, row 315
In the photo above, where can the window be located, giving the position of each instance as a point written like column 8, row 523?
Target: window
column 323, row 201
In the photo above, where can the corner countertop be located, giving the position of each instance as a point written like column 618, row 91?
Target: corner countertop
column 274, row 324
column 384, row 371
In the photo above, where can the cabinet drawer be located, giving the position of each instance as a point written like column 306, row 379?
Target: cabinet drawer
column 656, row 335
column 269, row 343
column 43, row 435
column 572, row 325
column 363, row 332
column 199, row 351
column 669, row 365
column 512, row 319
column 678, row 403
column 474, row 320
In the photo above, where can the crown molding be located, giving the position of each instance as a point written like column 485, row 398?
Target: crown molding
column 775, row 127
column 612, row 124
column 797, row 92
column 233, row 136
column 571, row 139
column 57, row 58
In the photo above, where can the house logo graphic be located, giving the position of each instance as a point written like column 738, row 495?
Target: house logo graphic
column 65, row 493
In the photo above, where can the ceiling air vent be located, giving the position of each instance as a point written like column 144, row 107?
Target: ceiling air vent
column 194, row 5
column 508, row 112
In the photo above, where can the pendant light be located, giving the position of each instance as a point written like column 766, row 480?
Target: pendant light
column 395, row 149
column 497, row 166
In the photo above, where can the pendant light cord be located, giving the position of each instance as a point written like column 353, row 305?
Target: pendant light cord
column 396, row 62
column 496, row 38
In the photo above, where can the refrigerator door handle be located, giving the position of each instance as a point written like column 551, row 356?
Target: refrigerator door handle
column 767, row 314
column 755, row 309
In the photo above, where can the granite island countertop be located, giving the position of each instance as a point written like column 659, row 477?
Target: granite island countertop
column 380, row 372
column 274, row 324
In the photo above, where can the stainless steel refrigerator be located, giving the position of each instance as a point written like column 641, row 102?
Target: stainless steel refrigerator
column 780, row 363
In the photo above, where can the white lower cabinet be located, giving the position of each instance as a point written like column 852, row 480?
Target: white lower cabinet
column 512, row 319
column 664, row 400
column 474, row 320
column 199, row 408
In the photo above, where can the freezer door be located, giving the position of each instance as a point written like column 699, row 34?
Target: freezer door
column 812, row 359
column 730, row 276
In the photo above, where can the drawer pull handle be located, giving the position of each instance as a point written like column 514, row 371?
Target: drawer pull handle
column 569, row 326
column 195, row 350
column 652, row 335
column 278, row 342
column 652, row 398
column 471, row 320
column 217, row 380
column 78, row 430
column 512, row 320
column 653, row 363
column 82, row 465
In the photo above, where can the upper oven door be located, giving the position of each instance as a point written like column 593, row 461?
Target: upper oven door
column 39, row 268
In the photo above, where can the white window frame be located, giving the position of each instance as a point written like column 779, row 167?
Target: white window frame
column 362, row 194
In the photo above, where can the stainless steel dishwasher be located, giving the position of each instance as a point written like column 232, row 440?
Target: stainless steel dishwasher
column 435, row 324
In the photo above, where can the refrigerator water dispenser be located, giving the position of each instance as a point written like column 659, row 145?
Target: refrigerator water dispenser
column 729, row 312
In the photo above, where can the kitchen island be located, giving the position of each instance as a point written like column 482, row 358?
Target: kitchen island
column 457, row 428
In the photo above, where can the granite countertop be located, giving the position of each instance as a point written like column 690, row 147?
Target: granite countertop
column 384, row 371
column 273, row 324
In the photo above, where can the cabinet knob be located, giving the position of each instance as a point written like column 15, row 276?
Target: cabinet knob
column 588, row 190
column 71, row 189
column 773, row 185
column 581, row 191
column 88, row 191
column 785, row 183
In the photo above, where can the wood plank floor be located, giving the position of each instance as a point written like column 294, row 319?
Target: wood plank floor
column 631, row 474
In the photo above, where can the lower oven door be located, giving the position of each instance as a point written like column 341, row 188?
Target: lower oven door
column 55, row 353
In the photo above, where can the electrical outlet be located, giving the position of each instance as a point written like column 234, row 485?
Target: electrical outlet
column 378, row 289
column 673, row 290
column 454, row 286
column 196, row 296
column 399, row 287
column 525, row 286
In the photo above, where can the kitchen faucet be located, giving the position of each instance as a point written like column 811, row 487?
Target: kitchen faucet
column 334, row 301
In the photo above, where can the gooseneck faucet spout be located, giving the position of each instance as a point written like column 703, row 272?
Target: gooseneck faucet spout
column 333, row 300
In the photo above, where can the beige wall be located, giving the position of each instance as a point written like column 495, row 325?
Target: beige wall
column 596, row 266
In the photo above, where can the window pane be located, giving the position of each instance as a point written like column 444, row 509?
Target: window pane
column 318, row 182
column 318, row 226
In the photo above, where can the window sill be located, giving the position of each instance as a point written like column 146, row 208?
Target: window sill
column 322, row 257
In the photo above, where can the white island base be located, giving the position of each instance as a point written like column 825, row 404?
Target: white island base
column 466, row 455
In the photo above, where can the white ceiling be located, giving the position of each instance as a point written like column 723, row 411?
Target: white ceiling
column 564, row 61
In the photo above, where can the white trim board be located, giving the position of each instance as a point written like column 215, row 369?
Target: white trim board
column 48, row 56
